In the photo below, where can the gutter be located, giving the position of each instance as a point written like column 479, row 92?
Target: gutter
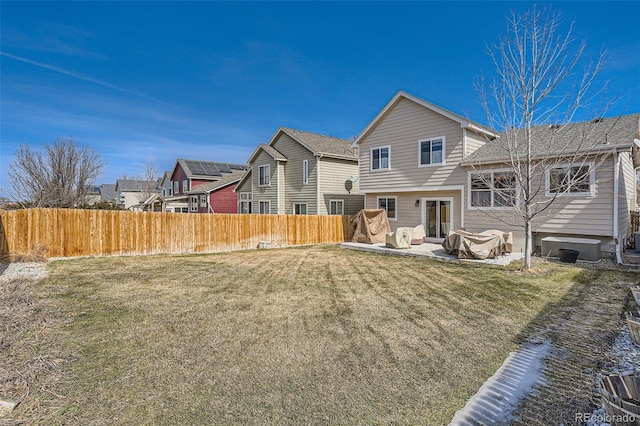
column 616, row 207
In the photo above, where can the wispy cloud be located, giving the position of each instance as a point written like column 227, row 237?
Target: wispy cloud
column 77, row 75
column 50, row 37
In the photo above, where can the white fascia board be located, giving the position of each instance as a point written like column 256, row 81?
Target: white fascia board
column 390, row 190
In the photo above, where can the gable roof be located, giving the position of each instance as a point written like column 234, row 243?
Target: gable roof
column 274, row 153
column 602, row 135
column 246, row 175
column 197, row 169
column 132, row 185
column 321, row 145
column 228, row 179
column 166, row 177
column 465, row 123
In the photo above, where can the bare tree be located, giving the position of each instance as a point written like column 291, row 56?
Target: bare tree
column 538, row 92
column 151, row 179
column 59, row 176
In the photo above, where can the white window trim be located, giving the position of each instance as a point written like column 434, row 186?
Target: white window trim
column 176, row 187
column 245, row 198
column 203, row 200
column 371, row 158
column 305, row 172
column 395, row 197
column 268, row 203
column 306, row 207
column 268, row 168
column 592, row 181
column 185, row 186
column 193, row 204
column 337, row 201
column 444, row 145
column 423, row 214
column 492, row 171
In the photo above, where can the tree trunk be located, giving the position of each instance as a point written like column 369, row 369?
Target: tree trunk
column 528, row 243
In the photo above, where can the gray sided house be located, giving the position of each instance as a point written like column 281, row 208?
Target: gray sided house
column 301, row 173
column 420, row 162
column 132, row 193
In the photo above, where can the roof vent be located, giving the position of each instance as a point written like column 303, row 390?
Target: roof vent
column 597, row 120
column 554, row 126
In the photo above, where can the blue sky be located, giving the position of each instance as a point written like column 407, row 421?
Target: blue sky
column 141, row 81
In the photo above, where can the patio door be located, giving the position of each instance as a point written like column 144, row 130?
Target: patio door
column 437, row 217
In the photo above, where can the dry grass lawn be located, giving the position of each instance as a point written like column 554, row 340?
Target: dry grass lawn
column 312, row 335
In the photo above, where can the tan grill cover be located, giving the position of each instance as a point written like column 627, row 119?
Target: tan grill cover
column 370, row 226
column 467, row 245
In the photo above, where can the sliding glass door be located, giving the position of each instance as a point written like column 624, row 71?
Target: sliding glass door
column 437, row 216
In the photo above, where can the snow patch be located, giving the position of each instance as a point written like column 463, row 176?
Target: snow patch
column 499, row 396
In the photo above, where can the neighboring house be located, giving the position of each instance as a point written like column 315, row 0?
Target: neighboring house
column 131, row 194
column 418, row 161
column 301, row 173
column 108, row 193
column 203, row 187
column 93, row 195
column 166, row 186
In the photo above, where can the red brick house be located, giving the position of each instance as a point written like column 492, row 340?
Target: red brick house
column 204, row 186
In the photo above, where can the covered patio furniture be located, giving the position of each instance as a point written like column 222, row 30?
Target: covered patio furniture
column 418, row 235
column 483, row 245
column 400, row 239
column 370, row 226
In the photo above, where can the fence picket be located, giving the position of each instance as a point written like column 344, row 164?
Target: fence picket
column 72, row 232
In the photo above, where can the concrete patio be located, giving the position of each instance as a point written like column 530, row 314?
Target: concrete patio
column 432, row 250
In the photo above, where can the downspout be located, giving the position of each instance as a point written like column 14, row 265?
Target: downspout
column 616, row 208
column 318, row 157
column 278, row 188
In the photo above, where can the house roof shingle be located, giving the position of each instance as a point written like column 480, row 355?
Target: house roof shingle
column 323, row 145
column 108, row 192
column 131, row 185
column 600, row 135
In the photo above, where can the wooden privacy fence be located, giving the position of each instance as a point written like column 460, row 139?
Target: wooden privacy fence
column 71, row 232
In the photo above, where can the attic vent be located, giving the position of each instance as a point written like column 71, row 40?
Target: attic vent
column 554, row 126
column 597, row 120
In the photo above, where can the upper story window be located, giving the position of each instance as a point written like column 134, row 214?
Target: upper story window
column 185, row 185
column 431, row 151
column 492, row 189
column 381, row 158
column 305, row 171
column 570, row 179
column 176, row 187
column 264, row 175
